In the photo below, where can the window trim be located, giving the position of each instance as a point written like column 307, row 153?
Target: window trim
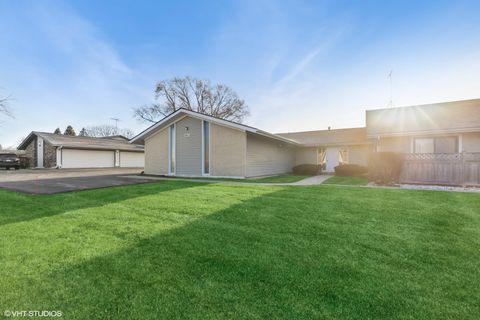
column 209, row 148
column 172, row 150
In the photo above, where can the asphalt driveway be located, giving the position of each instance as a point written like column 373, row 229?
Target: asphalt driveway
column 55, row 181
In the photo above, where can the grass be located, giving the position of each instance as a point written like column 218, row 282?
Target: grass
column 350, row 181
column 178, row 249
column 286, row 178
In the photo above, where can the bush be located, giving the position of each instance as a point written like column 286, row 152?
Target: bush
column 307, row 169
column 350, row 170
column 385, row 167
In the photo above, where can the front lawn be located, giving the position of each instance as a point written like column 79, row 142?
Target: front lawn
column 349, row 181
column 178, row 249
column 284, row 178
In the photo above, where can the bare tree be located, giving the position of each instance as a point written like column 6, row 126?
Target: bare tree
column 193, row 94
column 106, row 130
column 4, row 106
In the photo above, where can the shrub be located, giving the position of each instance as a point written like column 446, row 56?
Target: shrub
column 385, row 167
column 307, row 169
column 350, row 170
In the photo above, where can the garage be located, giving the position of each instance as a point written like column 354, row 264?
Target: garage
column 72, row 158
column 132, row 159
column 49, row 150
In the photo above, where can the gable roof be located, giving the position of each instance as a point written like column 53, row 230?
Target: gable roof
column 180, row 113
column 74, row 142
column 445, row 117
column 334, row 137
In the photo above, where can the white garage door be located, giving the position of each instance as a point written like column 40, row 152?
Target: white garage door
column 87, row 158
column 132, row 159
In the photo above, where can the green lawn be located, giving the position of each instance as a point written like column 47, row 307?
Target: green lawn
column 350, row 181
column 178, row 249
column 285, row 178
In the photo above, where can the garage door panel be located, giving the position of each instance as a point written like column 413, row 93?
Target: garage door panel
column 132, row 159
column 87, row 159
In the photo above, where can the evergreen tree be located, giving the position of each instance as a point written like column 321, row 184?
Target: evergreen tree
column 69, row 131
column 83, row 133
column 57, row 131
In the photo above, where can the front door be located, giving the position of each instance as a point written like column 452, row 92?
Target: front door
column 332, row 158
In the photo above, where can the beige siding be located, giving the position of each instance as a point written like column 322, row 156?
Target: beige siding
column 358, row 155
column 227, row 151
column 396, row 144
column 189, row 147
column 156, row 153
column 306, row 156
column 268, row 157
column 471, row 142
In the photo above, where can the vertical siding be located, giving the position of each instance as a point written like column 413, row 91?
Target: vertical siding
column 227, row 151
column 268, row 157
column 189, row 147
column 156, row 153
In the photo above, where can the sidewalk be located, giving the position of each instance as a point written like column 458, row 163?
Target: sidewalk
column 305, row 182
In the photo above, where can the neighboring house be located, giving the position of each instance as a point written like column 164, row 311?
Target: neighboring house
column 449, row 127
column 48, row 150
column 331, row 147
column 188, row 143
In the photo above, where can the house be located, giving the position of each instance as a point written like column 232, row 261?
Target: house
column 48, row 150
column 331, row 147
column 440, row 142
column 447, row 128
column 187, row 143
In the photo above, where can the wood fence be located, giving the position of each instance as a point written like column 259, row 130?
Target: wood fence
column 456, row 169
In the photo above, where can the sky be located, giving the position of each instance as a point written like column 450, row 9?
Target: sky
column 299, row 65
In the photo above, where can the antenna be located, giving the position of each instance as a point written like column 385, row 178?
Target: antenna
column 390, row 103
column 116, row 122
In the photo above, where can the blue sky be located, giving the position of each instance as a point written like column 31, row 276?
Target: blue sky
column 300, row 65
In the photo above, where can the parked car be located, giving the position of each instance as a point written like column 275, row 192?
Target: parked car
column 9, row 160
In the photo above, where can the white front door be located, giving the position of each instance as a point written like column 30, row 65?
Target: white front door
column 332, row 158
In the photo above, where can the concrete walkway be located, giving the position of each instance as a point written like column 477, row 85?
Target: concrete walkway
column 310, row 181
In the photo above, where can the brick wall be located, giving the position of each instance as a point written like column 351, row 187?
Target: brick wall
column 31, row 153
column 49, row 155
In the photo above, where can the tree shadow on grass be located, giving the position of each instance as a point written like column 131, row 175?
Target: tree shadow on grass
column 19, row 207
column 279, row 255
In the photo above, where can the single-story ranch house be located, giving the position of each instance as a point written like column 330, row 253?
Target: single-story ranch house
column 49, row 150
column 187, row 143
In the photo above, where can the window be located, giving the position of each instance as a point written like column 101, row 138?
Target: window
column 321, row 156
column 436, row 145
column 171, row 150
column 206, row 147
column 343, row 156
column 426, row 145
